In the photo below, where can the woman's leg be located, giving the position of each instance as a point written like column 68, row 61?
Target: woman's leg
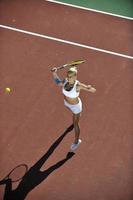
column 76, row 118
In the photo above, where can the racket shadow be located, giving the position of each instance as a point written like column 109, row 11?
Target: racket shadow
column 34, row 176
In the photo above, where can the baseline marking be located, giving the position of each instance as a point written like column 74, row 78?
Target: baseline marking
column 66, row 42
column 89, row 9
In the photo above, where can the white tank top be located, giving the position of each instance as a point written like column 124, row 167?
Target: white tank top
column 72, row 93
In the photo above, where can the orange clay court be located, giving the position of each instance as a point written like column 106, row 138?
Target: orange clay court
column 35, row 127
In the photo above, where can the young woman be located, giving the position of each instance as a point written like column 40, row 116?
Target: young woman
column 71, row 88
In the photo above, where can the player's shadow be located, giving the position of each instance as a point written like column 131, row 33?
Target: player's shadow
column 34, row 175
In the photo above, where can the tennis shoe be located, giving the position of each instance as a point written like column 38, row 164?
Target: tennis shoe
column 75, row 146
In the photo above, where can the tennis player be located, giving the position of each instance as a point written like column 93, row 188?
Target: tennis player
column 71, row 88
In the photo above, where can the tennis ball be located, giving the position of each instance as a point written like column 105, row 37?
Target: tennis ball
column 7, row 90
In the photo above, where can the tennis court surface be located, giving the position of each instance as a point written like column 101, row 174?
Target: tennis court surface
column 35, row 127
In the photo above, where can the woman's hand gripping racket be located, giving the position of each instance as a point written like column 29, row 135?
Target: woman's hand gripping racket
column 15, row 174
column 68, row 65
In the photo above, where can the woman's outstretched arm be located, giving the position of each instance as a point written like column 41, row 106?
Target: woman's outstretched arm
column 88, row 88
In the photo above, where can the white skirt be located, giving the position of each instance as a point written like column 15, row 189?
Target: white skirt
column 76, row 108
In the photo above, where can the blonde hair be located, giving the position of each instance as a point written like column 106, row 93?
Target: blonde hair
column 72, row 71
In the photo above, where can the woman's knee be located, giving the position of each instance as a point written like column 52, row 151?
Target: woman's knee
column 76, row 118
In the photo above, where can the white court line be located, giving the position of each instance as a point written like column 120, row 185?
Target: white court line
column 66, row 42
column 90, row 9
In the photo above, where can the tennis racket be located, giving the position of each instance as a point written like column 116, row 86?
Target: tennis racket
column 16, row 174
column 71, row 64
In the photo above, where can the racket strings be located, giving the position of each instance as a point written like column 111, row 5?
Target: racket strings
column 18, row 173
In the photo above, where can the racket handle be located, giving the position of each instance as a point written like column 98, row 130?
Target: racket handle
column 53, row 69
column 62, row 67
column 58, row 68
